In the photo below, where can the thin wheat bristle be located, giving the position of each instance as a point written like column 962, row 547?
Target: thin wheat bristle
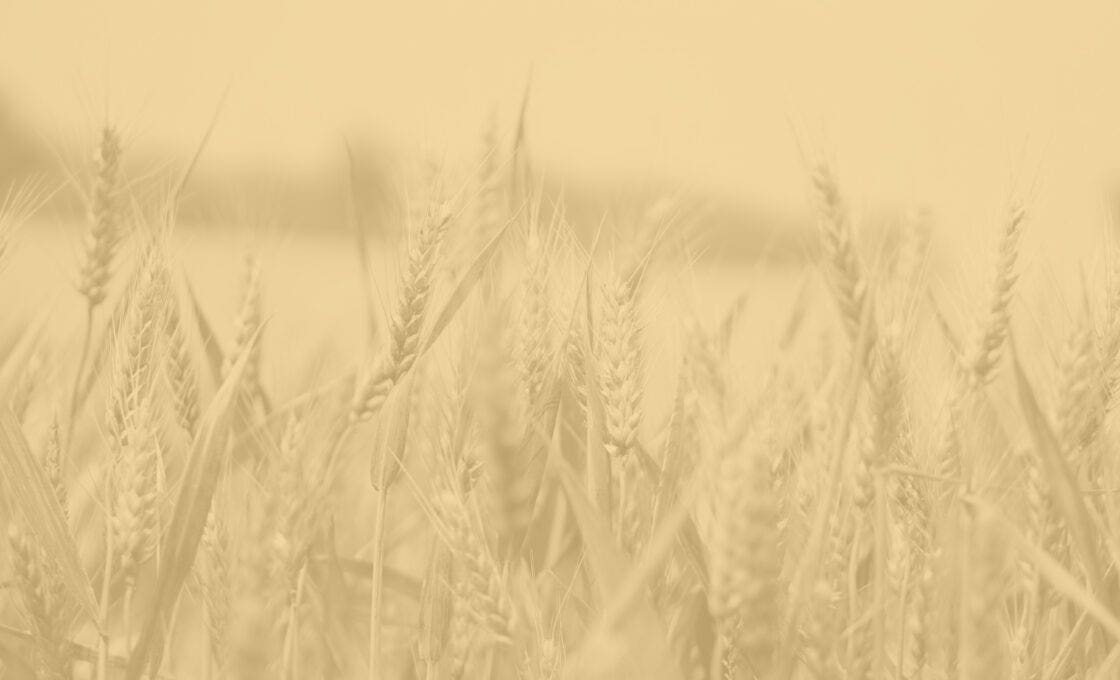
column 30, row 378
column 20, row 203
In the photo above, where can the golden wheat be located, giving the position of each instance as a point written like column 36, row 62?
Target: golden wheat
column 558, row 462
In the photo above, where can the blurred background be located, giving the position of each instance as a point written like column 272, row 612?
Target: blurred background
column 949, row 106
column 941, row 103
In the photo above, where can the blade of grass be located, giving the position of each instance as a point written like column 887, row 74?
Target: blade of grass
column 360, row 236
column 1105, row 670
column 214, row 353
column 27, row 485
column 1055, row 574
column 215, row 356
column 627, row 615
column 100, row 354
column 201, row 147
column 1059, row 477
column 394, row 434
column 797, row 315
column 464, row 287
column 946, row 328
column 808, row 562
column 658, row 550
column 17, row 357
column 188, row 518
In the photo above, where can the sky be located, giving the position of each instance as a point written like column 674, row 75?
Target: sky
column 951, row 104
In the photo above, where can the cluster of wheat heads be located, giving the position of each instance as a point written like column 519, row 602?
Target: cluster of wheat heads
column 546, row 467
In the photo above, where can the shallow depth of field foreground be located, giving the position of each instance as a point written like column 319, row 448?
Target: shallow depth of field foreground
column 481, row 432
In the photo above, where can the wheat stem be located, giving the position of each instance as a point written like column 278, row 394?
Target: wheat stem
column 106, row 581
column 83, row 356
column 719, row 651
column 129, row 592
column 375, row 641
column 290, row 664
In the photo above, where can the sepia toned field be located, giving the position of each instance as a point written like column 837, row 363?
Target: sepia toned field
column 499, row 444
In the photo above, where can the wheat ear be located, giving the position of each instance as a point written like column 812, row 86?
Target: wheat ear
column 215, row 576
column 842, row 263
column 39, row 583
column 179, row 369
column 246, row 323
column 104, row 233
column 407, row 321
column 744, row 561
column 490, row 604
column 101, row 242
column 982, row 357
column 622, row 366
column 983, row 638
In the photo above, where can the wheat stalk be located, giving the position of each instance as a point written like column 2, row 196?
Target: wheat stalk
column 215, row 577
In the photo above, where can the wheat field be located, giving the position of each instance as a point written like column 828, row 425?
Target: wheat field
column 497, row 444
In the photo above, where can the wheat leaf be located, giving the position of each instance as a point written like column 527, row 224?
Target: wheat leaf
column 628, row 614
column 677, row 522
column 464, row 287
column 1057, row 575
column 214, row 352
column 100, row 355
column 188, row 518
column 362, row 242
column 394, row 434
column 1059, row 477
column 808, row 562
column 16, row 361
column 27, row 485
